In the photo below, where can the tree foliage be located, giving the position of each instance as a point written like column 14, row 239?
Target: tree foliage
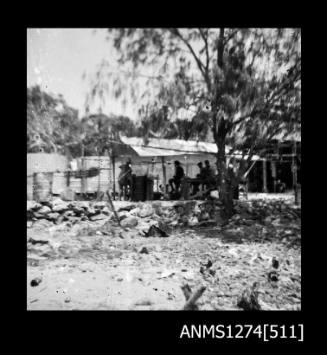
column 249, row 80
column 53, row 126
column 51, row 123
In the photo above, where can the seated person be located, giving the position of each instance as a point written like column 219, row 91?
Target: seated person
column 176, row 180
column 281, row 186
column 201, row 176
column 209, row 175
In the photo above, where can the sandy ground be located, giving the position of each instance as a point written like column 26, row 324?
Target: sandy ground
column 98, row 272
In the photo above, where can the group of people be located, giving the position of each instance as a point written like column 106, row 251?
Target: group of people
column 205, row 177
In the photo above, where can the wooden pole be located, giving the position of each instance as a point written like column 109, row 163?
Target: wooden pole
column 164, row 173
column 82, row 170
column 264, row 166
column 114, row 176
column 294, row 169
column 99, row 178
column 273, row 171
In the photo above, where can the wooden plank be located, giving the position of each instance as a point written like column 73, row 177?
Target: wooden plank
column 264, row 166
column 164, row 173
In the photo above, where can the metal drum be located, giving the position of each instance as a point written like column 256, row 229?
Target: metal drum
column 42, row 186
column 139, row 188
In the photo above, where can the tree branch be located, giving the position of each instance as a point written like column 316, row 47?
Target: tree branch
column 200, row 65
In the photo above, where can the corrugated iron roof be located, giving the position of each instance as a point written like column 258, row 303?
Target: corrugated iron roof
column 168, row 147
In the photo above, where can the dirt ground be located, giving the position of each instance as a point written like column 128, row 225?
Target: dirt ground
column 77, row 271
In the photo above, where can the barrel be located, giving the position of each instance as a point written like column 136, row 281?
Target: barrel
column 149, row 189
column 139, row 188
column 42, row 186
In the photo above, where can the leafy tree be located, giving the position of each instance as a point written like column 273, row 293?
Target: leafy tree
column 51, row 123
column 247, row 80
column 99, row 130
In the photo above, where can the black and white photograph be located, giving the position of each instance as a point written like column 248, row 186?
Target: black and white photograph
column 163, row 169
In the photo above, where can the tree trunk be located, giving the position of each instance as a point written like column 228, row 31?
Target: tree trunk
column 225, row 179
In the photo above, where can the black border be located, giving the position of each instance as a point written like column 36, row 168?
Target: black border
column 138, row 326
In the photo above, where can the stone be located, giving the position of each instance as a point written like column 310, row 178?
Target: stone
column 98, row 217
column 36, row 281
column 44, row 210
column 73, row 219
column 127, row 208
column 155, row 231
column 59, row 205
column 129, row 222
column 100, row 205
column 106, row 211
column 33, row 205
column 144, row 250
column 92, row 212
column 39, row 239
column 146, row 211
column 135, row 211
column 193, row 221
column 53, row 216
column 42, row 224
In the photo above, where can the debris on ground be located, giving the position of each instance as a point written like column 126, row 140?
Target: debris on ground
column 191, row 298
column 183, row 241
column 249, row 299
column 36, row 281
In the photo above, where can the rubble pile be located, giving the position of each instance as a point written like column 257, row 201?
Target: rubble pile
column 251, row 262
column 264, row 220
column 258, row 220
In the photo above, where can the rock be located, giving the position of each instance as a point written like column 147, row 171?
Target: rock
column 67, row 299
column 127, row 208
column 106, row 211
column 90, row 211
column 273, row 276
column 275, row 263
column 184, row 220
column 135, row 211
column 129, row 222
column 59, row 206
column 174, row 223
column 33, row 205
column 68, row 214
column 193, row 221
column 44, row 210
column 42, row 224
column 38, row 239
column 98, row 217
column 249, row 299
column 35, row 282
column 144, row 250
column 157, row 208
column 146, row 211
column 73, row 219
column 204, row 216
column 45, row 250
column 100, row 205
column 155, row 231
column 53, row 216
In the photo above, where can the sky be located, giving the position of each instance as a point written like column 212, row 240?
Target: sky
column 57, row 59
